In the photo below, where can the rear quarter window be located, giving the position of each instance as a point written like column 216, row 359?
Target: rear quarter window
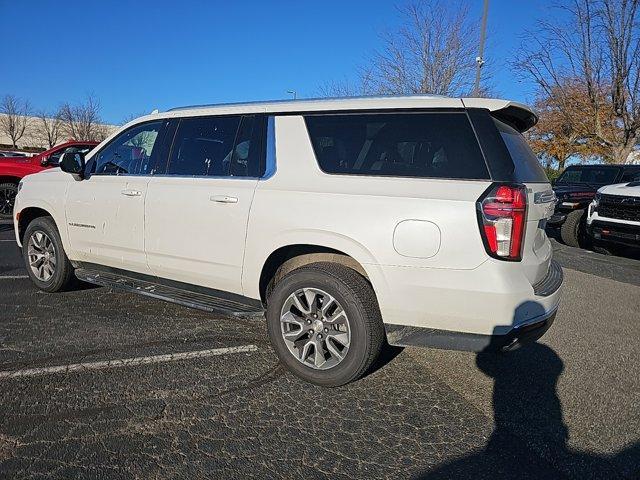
column 421, row 145
column 526, row 166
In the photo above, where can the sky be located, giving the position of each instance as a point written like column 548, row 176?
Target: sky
column 136, row 56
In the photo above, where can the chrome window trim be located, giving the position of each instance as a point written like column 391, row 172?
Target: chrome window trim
column 270, row 163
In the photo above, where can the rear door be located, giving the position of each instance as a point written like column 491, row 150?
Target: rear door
column 537, row 251
column 196, row 212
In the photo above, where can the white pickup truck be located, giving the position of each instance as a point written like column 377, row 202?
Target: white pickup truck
column 613, row 219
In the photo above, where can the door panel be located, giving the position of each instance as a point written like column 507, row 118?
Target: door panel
column 196, row 227
column 105, row 211
column 105, row 218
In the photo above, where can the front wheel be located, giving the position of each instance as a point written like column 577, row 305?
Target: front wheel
column 324, row 323
column 572, row 230
column 8, row 192
column 47, row 264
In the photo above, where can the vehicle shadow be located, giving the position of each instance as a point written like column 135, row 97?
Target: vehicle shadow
column 387, row 354
column 530, row 437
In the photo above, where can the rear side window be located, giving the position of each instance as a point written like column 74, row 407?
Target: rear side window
column 423, row 145
column 203, row 146
column 527, row 168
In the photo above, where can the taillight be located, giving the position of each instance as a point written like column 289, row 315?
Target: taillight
column 502, row 215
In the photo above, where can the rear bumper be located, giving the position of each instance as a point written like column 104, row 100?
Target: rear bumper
column 614, row 233
column 528, row 332
column 478, row 322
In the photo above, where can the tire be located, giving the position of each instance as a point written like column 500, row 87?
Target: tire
column 349, row 291
column 572, row 230
column 8, row 192
column 42, row 237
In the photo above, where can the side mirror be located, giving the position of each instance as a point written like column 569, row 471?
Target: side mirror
column 44, row 162
column 72, row 161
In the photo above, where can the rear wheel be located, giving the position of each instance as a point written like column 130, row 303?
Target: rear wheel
column 8, row 192
column 47, row 264
column 324, row 323
column 572, row 230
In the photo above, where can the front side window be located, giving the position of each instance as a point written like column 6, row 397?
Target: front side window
column 130, row 153
column 423, row 145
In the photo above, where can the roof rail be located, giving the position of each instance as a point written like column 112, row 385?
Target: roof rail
column 301, row 100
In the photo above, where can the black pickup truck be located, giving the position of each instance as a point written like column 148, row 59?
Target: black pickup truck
column 575, row 189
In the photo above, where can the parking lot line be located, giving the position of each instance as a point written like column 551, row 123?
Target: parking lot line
column 13, row 277
column 126, row 362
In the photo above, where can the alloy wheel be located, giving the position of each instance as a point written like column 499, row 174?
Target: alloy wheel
column 7, row 200
column 315, row 328
column 42, row 256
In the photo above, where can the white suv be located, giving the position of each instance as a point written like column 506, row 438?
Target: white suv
column 413, row 220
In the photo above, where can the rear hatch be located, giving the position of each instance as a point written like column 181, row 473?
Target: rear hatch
column 536, row 252
column 511, row 161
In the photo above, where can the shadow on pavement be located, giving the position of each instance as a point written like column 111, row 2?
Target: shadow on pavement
column 530, row 436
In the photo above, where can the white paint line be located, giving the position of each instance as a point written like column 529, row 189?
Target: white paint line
column 126, row 362
column 8, row 241
column 13, row 277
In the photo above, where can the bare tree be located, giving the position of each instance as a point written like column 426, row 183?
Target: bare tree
column 597, row 43
column 433, row 51
column 82, row 121
column 47, row 128
column 14, row 117
column 348, row 88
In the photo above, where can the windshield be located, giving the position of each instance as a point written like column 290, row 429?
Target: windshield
column 589, row 175
column 54, row 158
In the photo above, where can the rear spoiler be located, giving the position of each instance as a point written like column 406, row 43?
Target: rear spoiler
column 521, row 117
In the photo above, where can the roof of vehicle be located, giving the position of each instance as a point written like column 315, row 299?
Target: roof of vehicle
column 521, row 115
column 70, row 143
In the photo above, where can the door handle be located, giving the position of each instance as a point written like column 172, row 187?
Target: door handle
column 223, row 199
column 131, row 193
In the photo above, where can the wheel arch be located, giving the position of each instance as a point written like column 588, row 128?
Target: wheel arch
column 10, row 179
column 28, row 215
column 290, row 257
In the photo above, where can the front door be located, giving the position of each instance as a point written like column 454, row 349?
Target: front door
column 197, row 212
column 105, row 211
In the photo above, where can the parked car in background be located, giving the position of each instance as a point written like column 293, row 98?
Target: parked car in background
column 415, row 219
column 575, row 189
column 614, row 217
column 13, row 169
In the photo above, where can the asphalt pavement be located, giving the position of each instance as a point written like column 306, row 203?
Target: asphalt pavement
column 162, row 391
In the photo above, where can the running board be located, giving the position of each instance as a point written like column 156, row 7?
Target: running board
column 182, row 296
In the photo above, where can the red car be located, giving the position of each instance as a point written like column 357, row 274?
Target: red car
column 12, row 169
